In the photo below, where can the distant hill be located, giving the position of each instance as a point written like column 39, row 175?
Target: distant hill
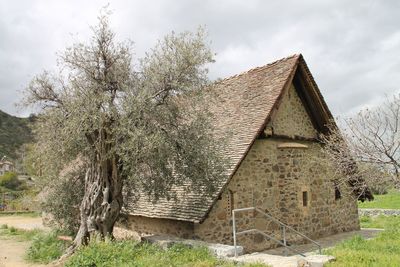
column 14, row 132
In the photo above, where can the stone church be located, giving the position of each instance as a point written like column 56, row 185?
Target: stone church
column 274, row 115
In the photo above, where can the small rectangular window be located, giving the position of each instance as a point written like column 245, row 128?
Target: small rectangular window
column 305, row 198
column 338, row 194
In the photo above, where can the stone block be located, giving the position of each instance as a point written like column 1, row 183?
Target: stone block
column 219, row 250
column 317, row 260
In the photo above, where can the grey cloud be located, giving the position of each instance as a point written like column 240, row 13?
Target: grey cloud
column 352, row 47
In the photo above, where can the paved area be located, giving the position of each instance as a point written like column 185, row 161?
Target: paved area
column 275, row 258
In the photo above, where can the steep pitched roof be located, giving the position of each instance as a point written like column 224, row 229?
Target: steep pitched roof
column 245, row 104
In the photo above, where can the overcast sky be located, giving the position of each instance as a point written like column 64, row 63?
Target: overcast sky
column 351, row 47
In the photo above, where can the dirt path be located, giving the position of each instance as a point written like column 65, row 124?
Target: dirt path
column 22, row 222
column 12, row 253
column 12, row 250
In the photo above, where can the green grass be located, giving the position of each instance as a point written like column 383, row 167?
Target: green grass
column 381, row 221
column 382, row 251
column 45, row 248
column 133, row 254
column 12, row 232
column 390, row 200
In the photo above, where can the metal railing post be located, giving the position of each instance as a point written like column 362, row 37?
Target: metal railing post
column 283, row 228
column 234, row 231
column 284, row 239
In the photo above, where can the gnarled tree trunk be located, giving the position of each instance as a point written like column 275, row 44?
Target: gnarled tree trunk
column 101, row 203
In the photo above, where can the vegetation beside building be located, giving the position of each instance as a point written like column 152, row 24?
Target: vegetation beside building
column 14, row 132
column 384, row 250
column 391, row 200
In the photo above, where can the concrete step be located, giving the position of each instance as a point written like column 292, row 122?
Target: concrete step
column 282, row 261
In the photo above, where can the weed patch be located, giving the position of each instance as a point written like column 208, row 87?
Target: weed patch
column 129, row 253
column 10, row 231
column 381, row 221
column 46, row 247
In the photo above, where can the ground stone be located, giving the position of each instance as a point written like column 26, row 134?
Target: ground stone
column 318, row 260
column 219, row 250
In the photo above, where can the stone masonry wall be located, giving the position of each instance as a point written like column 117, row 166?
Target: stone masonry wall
column 142, row 226
column 292, row 118
column 274, row 179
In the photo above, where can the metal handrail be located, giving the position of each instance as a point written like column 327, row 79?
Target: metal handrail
column 283, row 227
column 270, row 237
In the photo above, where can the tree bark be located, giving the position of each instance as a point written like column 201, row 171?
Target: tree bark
column 101, row 203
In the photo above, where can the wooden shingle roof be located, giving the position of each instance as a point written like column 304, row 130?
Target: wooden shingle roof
column 245, row 104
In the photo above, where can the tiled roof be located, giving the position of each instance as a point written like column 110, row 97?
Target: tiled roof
column 245, row 102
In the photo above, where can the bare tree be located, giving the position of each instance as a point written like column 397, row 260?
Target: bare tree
column 368, row 146
column 145, row 127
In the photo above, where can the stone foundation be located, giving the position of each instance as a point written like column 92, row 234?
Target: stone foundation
column 139, row 226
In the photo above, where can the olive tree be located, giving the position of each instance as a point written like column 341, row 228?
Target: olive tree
column 135, row 124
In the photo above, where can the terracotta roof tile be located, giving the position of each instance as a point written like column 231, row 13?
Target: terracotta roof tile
column 244, row 103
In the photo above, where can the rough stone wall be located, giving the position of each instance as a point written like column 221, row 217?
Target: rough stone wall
column 138, row 226
column 274, row 179
column 292, row 118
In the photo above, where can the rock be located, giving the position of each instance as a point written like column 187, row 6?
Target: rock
column 219, row 250
column 224, row 251
column 318, row 260
column 302, row 263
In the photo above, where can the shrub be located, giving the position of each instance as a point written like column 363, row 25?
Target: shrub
column 62, row 202
column 10, row 181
